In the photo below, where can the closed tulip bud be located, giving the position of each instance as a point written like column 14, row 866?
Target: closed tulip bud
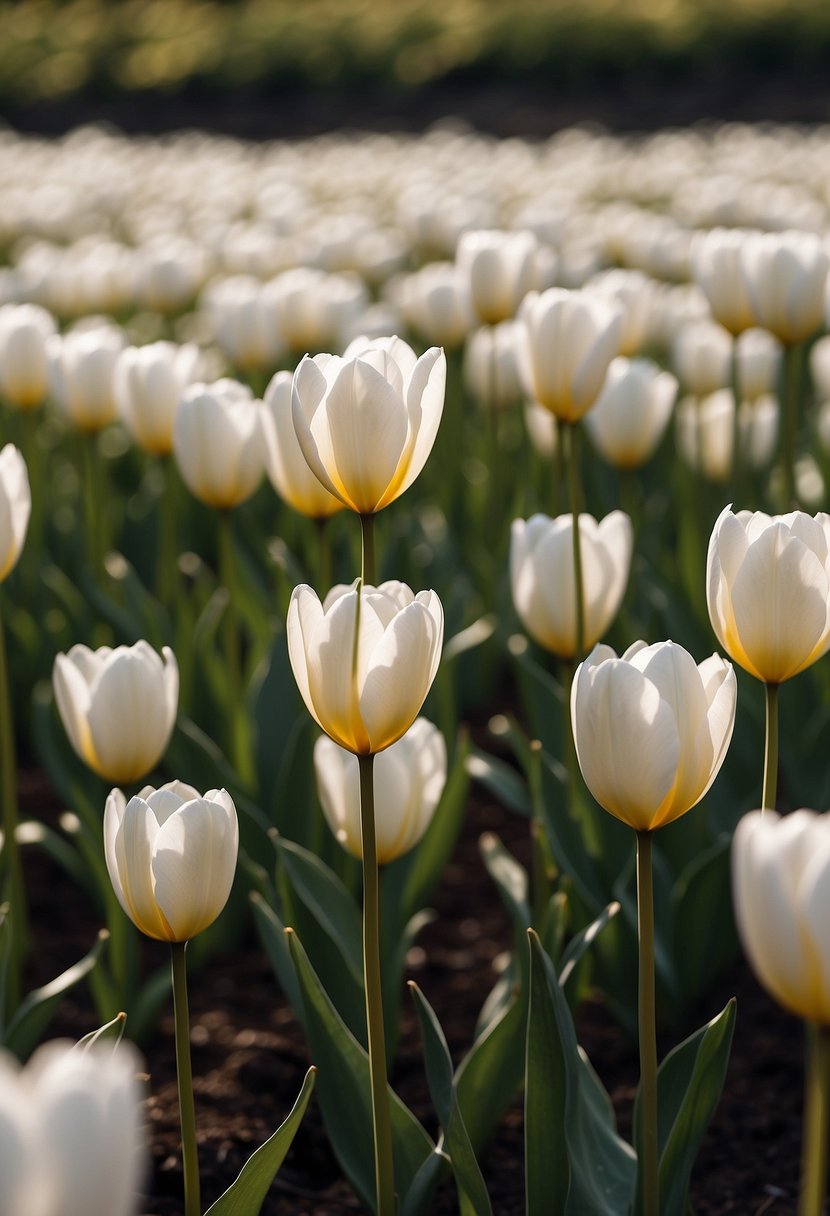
column 366, row 422
column 82, row 373
column 243, row 320
column 542, row 576
column 285, row 464
column 786, row 273
column 171, row 857
column 218, row 442
column 651, row 729
column 717, row 265
column 491, row 366
column 702, row 357
column 636, row 295
column 409, row 778
column 364, row 659
column 768, row 590
column 781, row 891
column 313, row 309
column 435, row 301
column 15, row 507
column 500, row 268
column 705, row 432
column 117, row 706
column 149, row 382
column 758, row 357
column 171, row 269
column 541, row 429
column 24, row 365
column 568, row 341
column 71, row 1136
column 632, row 412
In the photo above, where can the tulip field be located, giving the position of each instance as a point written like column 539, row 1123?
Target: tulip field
column 414, row 689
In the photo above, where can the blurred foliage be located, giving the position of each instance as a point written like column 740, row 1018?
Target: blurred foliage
column 51, row 50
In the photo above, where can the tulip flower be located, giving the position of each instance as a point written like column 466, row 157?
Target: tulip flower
column 409, row 778
column 542, row 576
column 285, row 464
column 631, row 413
column 117, row 706
column 364, row 659
column 636, row 294
column 702, row 357
column 491, row 367
column 705, row 432
column 781, row 892
column 785, row 274
column 149, row 382
column 717, row 264
column 758, row 364
column 15, row 507
column 82, row 371
column 24, row 366
column 500, row 268
column 71, row 1139
column 435, row 302
column 218, row 443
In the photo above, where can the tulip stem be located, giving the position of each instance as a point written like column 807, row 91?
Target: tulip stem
column 187, row 1110
column 771, row 749
column 323, row 555
column 384, row 1170
column 233, row 660
column 92, row 502
column 648, row 1156
column 15, row 891
column 816, row 1121
column 573, row 487
column 792, row 386
column 367, row 551
column 167, row 573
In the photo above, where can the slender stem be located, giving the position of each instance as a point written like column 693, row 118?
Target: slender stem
column 771, row 748
column 649, row 1176
column 816, row 1122
column 368, row 572
column 384, row 1175
column 167, row 573
column 572, row 458
column 557, row 471
column 92, row 501
column 738, row 463
column 543, row 869
column 233, row 660
column 187, row 1110
column 792, row 388
column 323, row 555
column 12, row 869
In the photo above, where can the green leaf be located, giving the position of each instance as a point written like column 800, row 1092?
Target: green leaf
column 474, row 635
column 35, row 1012
column 689, row 1084
column 489, row 1076
column 272, row 933
column 582, row 940
column 345, row 1094
column 500, row 779
column 564, row 1093
column 705, row 939
column 246, row 1195
column 331, row 904
column 512, row 882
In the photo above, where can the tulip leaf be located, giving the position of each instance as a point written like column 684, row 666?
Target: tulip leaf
column 246, row 1195
column 512, row 882
column 272, row 933
column 581, row 941
column 472, row 1192
column 490, row 1074
column 474, row 635
column 500, row 779
column 325, row 896
column 28, row 1023
column 575, row 1161
column 705, row 939
column 277, row 723
column 345, row 1094
column 689, row 1084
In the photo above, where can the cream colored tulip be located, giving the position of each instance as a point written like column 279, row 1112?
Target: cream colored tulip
column 366, row 422
column 781, row 890
column 632, row 412
column 717, row 264
column 491, row 366
column 542, row 576
column 364, row 659
column 567, row 343
column 118, row 707
column 702, row 357
column 409, row 778
column 24, row 365
column 171, row 856
column 705, row 432
column 768, row 590
column 636, row 294
column 285, row 464
column 82, row 372
column 542, row 429
column 758, row 360
column 15, row 507
column 71, row 1136
column 651, row 729
column 786, row 273
column 500, row 268
column 218, row 442
column 435, row 301
column 149, row 382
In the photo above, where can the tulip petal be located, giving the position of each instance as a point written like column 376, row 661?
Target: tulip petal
column 400, row 673
column 193, row 866
column 369, row 428
column 132, row 846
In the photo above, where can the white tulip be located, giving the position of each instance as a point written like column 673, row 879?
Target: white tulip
column 632, row 412
column 758, row 358
column 702, row 357
column 500, row 268
column 82, row 371
column 786, row 273
column 285, row 464
column 491, row 366
column 218, row 442
column 149, row 382
column 717, row 264
column 24, row 364
column 15, row 507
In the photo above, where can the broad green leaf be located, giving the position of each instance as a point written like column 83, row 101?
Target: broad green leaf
column 689, row 1084
column 272, row 933
column 489, row 1076
column 512, row 882
column 26, row 1027
column 345, row 1095
column 325, row 896
column 246, row 1195
column 581, row 941
column 547, row 1168
column 472, row 1192
column 500, row 779
column 705, row 939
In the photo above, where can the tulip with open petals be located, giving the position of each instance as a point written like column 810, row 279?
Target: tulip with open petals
column 768, row 590
column 117, row 706
column 364, row 659
column 15, row 507
column 542, row 576
column 171, row 856
column 366, row 422
column 409, row 778
column 651, row 729
column 285, row 464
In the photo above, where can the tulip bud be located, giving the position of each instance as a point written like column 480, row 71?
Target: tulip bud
column 364, row 659
column 651, row 729
column 702, row 357
column 24, row 366
column 285, row 464
column 632, row 412
column 171, row 857
column 758, row 358
column 409, row 778
column 541, row 429
column 149, row 382
column 636, row 294
column 768, row 590
column 71, row 1138
column 705, row 432
column 717, row 264
column 491, row 366
column 82, row 372
column 218, row 442
column 542, row 576
column 366, row 423
column 435, row 301
column 500, row 268
column 781, row 890
column 117, row 706
column 786, row 273
column 15, row 507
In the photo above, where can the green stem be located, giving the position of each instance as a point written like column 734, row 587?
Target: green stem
column 648, row 1163
column 738, row 463
column 384, row 1172
column 572, row 458
column 792, row 387
column 816, row 1122
column 187, row 1111
column 92, row 502
column 557, row 472
column 323, row 555
column 12, row 869
column 167, row 571
column 771, row 748
column 233, row 660
column 367, row 552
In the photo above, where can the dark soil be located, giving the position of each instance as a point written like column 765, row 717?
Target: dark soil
column 249, row 1057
